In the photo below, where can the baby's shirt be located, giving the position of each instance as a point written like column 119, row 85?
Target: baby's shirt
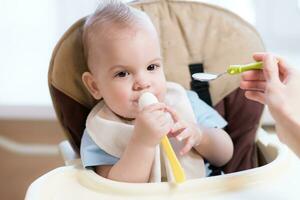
column 92, row 155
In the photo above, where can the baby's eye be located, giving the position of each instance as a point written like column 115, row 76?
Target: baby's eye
column 122, row 74
column 152, row 67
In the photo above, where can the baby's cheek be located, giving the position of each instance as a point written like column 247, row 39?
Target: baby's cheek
column 123, row 98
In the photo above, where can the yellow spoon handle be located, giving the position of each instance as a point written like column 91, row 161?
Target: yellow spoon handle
column 237, row 69
column 178, row 171
column 147, row 99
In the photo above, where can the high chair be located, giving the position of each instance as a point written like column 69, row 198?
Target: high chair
column 195, row 37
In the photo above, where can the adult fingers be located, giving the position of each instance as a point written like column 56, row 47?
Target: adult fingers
column 259, row 56
column 282, row 65
column 253, row 75
column 271, row 69
column 253, row 85
column 284, row 70
column 256, row 96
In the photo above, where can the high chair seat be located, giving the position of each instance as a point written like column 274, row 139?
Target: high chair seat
column 276, row 180
column 194, row 37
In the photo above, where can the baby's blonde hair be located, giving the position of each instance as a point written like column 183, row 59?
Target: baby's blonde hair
column 109, row 12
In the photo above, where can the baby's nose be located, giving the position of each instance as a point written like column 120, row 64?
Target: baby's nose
column 141, row 85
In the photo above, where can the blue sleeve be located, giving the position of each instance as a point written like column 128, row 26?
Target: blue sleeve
column 205, row 115
column 91, row 155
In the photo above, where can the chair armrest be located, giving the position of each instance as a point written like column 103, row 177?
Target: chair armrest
column 68, row 153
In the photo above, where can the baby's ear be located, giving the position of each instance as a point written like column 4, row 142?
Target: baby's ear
column 91, row 85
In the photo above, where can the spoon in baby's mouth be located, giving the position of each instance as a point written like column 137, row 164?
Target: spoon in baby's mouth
column 231, row 70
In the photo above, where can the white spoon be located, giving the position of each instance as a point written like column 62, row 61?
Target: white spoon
column 232, row 70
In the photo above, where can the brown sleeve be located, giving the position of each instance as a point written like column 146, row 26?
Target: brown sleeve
column 243, row 117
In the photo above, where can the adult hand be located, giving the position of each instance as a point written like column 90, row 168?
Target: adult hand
column 277, row 86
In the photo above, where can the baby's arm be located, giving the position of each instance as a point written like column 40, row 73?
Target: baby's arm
column 136, row 162
column 215, row 145
column 134, row 166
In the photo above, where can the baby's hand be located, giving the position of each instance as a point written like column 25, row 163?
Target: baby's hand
column 151, row 124
column 184, row 131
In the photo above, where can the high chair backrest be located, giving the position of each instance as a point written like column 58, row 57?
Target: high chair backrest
column 194, row 37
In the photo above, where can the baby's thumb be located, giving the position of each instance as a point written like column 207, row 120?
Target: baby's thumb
column 271, row 70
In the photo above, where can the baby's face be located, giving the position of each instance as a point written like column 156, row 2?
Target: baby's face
column 126, row 65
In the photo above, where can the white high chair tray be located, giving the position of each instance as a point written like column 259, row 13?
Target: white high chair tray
column 276, row 180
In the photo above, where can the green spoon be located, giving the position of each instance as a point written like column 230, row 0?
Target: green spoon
column 232, row 70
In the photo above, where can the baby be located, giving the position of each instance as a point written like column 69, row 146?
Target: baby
column 121, row 140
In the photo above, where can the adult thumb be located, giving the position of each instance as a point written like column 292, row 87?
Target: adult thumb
column 271, row 70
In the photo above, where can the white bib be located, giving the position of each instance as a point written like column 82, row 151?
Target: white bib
column 112, row 135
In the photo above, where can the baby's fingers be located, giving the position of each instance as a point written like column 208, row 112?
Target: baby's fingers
column 177, row 128
column 154, row 107
column 173, row 114
column 183, row 135
column 188, row 144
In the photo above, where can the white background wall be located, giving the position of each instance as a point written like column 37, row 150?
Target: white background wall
column 30, row 29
